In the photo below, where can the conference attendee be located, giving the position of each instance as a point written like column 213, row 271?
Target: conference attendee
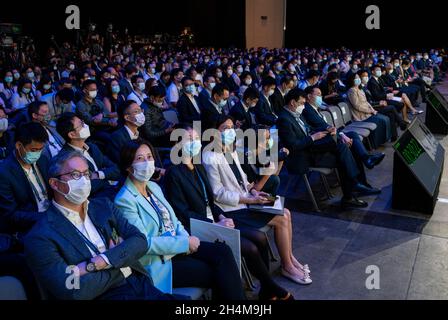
column 315, row 147
column 277, row 99
column 88, row 239
column 126, row 83
column 215, row 106
column 44, row 87
column 332, row 91
column 113, row 98
column 173, row 92
column 93, row 112
column 242, row 112
column 382, row 106
column 264, row 111
column 24, row 192
column 24, row 95
column 189, row 192
column 156, row 128
column 105, row 173
column 206, row 93
column 39, row 112
column 6, row 136
column 7, row 89
column 188, row 106
column 233, row 195
column 59, row 102
column 312, row 79
column 138, row 90
column 173, row 258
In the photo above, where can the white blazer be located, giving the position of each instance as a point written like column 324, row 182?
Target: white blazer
column 226, row 190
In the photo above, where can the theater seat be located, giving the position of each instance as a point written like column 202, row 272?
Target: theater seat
column 11, row 289
column 193, row 292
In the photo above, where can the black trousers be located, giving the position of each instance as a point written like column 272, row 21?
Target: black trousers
column 395, row 119
column 212, row 266
column 359, row 153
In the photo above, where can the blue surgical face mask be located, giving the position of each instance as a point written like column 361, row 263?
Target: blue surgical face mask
column 222, row 103
column 192, row 148
column 357, row 82
column 31, row 157
column 318, row 101
column 26, row 90
column 228, row 136
column 378, row 73
column 270, row 143
column 8, row 79
column 191, row 89
column 115, row 89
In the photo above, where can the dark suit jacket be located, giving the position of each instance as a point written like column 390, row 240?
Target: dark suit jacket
column 313, row 118
column 209, row 115
column 125, row 87
column 239, row 113
column 110, row 169
column 203, row 97
column 187, row 197
column 54, row 244
column 277, row 101
column 186, row 110
column 296, row 141
column 264, row 112
column 117, row 140
column 376, row 89
column 18, row 207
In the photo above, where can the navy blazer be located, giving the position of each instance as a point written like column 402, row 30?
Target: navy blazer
column 376, row 89
column 239, row 113
column 313, row 118
column 18, row 206
column 125, row 87
column 264, row 112
column 54, row 244
column 204, row 96
column 187, row 197
column 118, row 139
column 209, row 115
column 186, row 110
column 110, row 169
column 277, row 101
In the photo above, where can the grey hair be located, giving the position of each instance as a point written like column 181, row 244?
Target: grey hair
column 59, row 161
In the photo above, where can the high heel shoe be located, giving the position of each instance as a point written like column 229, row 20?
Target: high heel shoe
column 305, row 280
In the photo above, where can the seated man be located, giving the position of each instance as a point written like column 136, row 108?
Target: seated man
column 93, row 112
column 332, row 91
column 105, row 173
column 23, row 180
column 188, row 106
column 156, row 129
column 59, row 102
column 90, row 239
column 277, row 99
column 313, row 117
column 264, row 110
column 242, row 112
column 316, row 148
column 39, row 112
column 214, row 108
column 138, row 90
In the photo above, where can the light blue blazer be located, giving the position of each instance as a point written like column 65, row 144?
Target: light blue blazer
column 139, row 212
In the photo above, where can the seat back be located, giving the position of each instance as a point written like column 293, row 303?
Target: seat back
column 327, row 117
column 338, row 119
column 11, row 289
column 346, row 112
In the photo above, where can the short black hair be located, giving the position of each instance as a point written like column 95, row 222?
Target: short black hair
column 135, row 78
column 157, row 91
column 286, row 79
column 310, row 89
column 268, row 81
column 123, row 107
column 29, row 132
column 64, row 125
column 219, row 89
column 184, row 79
column 128, row 151
column 312, row 73
column 34, row 107
column 87, row 83
column 294, row 94
column 66, row 94
column 221, row 119
column 130, row 69
column 250, row 93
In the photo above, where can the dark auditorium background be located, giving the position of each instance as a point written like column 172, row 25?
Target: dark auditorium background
column 221, row 23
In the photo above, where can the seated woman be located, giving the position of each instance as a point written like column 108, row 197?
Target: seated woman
column 114, row 98
column 233, row 193
column 262, row 170
column 362, row 110
column 189, row 191
column 174, row 258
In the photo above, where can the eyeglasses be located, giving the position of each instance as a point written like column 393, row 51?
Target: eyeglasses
column 76, row 175
column 82, row 125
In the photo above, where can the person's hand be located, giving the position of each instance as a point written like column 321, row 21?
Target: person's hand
column 257, row 200
column 193, row 244
column 383, row 103
column 226, row 222
column 390, row 96
column 318, row 135
column 395, row 92
column 99, row 262
column 346, row 140
column 332, row 130
column 284, row 150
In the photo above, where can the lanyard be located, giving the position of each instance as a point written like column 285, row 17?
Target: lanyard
column 89, row 243
column 203, row 187
column 33, row 187
column 157, row 210
column 136, row 94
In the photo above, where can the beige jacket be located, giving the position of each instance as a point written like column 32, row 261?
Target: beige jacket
column 360, row 107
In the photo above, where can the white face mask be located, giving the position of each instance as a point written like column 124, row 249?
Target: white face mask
column 248, row 82
column 300, row 109
column 270, row 92
column 78, row 190
column 143, row 171
column 3, row 124
column 84, row 133
column 139, row 119
column 92, row 94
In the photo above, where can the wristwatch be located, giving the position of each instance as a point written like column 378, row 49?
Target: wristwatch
column 90, row 266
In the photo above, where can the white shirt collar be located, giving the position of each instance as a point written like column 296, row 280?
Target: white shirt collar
column 71, row 215
column 84, row 148
column 131, row 134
